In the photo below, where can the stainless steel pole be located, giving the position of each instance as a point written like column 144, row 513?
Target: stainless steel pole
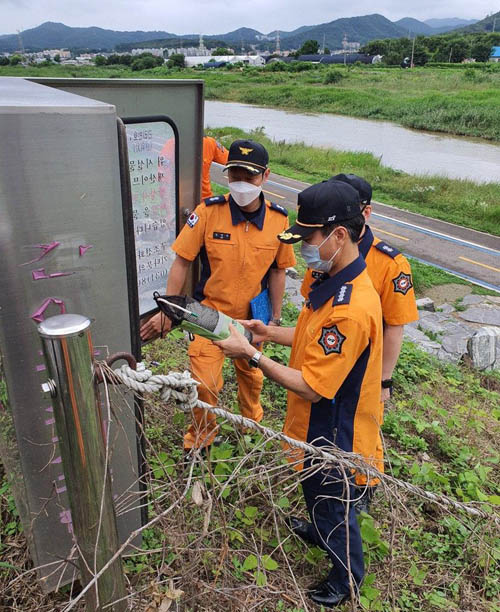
column 67, row 347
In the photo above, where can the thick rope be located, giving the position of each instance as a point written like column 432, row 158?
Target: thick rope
column 183, row 389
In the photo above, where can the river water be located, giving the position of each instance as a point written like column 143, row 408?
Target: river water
column 412, row 151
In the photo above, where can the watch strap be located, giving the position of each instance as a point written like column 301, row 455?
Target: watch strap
column 255, row 359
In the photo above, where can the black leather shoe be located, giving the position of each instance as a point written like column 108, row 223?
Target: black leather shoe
column 325, row 595
column 300, row 528
column 366, row 497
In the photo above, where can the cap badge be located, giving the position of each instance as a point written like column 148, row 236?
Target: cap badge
column 332, row 218
column 288, row 236
column 245, row 151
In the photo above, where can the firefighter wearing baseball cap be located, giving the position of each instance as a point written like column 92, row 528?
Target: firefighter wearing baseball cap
column 235, row 236
column 213, row 151
column 390, row 274
column 333, row 378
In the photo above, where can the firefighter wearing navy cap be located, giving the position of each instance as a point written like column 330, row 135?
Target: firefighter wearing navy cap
column 390, row 274
column 333, row 378
column 235, row 236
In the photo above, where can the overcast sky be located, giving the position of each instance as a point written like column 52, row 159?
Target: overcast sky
column 220, row 16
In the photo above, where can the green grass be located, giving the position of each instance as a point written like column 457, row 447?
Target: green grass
column 462, row 202
column 436, row 99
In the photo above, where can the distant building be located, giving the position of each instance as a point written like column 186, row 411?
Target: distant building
column 156, row 51
column 250, row 60
column 200, row 51
column 344, row 58
column 495, row 54
column 85, row 58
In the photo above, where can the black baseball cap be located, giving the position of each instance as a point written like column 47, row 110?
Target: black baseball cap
column 320, row 204
column 248, row 154
column 360, row 185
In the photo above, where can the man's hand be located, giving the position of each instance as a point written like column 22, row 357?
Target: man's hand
column 236, row 346
column 386, row 394
column 157, row 325
column 259, row 330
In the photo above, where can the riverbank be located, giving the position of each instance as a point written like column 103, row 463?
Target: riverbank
column 462, row 202
column 453, row 101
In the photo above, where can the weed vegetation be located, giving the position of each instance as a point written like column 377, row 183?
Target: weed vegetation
column 225, row 546
column 462, row 202
column 450, row 100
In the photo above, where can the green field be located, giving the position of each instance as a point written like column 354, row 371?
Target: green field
column 451, row 100
column 462, row 202
column 474, row 102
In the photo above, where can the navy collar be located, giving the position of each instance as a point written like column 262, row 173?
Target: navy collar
column 366, row 242
column 238, row 217
column 321, row 292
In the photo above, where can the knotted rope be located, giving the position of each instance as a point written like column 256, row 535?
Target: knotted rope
column 182, row 388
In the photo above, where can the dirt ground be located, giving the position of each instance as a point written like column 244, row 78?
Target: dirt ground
column 446, row 293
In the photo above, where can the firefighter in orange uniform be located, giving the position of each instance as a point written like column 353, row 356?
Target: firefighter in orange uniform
column 333, row 378
column 390, row 274
column 235, row 236
column 213, row 151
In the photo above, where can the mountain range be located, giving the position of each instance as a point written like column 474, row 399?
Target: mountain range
column 52, row 35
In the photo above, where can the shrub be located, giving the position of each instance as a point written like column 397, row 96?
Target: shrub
column 333, row 76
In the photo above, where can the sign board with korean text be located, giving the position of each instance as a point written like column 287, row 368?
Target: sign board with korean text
column 153, row 153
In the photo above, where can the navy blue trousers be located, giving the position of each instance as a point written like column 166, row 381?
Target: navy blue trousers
column 326, row 503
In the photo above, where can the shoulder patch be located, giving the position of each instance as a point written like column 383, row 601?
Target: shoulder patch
column 220, row 199
column 402, row 283
column 343, row 295
column 280, row 209
column 192, row 220
column 331, row 340
column 387, row 249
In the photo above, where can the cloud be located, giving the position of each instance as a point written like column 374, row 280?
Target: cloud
column 218, row 16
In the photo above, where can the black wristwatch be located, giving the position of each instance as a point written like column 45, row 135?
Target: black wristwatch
column 387, row 384
column 253, row 362
column 277, row 320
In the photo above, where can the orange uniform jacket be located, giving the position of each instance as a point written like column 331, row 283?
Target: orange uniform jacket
column 337, row 345
column 236, row 254
column 213, row 151
column 390, row 274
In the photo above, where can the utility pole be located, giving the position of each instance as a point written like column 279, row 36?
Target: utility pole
column 412, row 53
column 20, row 39
column 494, row 23
column 449, row 58
column 278, row 48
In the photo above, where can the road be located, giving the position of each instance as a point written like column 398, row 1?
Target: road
column 472, row 255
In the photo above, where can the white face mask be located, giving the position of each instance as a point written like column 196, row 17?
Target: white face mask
column 310, row 253
column 244, row 193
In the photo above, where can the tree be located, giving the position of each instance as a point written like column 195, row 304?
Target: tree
column 310, row 47
column 100, row 60
column 176, row 60
column 221, row 51
column 4, row 61
column 145, row 61
column 57, row 58
column 326, row 51
column 480, row 51
column 15, row 60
